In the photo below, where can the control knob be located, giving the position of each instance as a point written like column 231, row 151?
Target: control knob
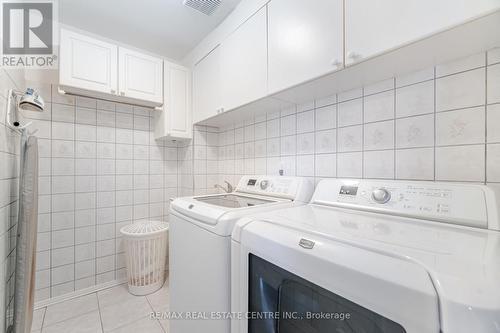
column 381, row 195
column 264, row 184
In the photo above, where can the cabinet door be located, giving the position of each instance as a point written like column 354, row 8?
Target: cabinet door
column 175, row 120
column 305, row 41
column 206, row 86
column 244, row 63
column 87, row 63
column 140, row 76
column 373, row 27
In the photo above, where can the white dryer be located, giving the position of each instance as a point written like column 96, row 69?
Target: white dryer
column 372, row 257
column 200, row 246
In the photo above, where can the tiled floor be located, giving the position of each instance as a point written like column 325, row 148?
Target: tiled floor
column 110, row 310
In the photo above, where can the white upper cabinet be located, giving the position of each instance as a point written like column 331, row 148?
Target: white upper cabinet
column 305, row 40
column 92, row 67
column 373, row 27
column 140, row 76
column 244, row 62
column 88, row 63
column 206, row 87
column 174, row 121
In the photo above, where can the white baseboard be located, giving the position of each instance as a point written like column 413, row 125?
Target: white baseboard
column 78, row 293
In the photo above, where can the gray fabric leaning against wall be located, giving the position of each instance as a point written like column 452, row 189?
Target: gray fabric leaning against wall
column 26, row 237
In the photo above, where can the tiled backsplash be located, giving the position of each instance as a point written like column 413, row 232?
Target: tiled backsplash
column 206, row 163
column 100, row 169
column 442, row 123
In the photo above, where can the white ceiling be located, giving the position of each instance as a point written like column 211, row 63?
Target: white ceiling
column 165, row 27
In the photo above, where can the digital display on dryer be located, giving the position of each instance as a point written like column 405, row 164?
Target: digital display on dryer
column 348, row 190
column 252, row 182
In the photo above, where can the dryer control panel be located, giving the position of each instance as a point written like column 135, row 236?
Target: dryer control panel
column 293, row 188
column 465, row 204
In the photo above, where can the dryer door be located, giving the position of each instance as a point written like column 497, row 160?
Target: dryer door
column 296, row 282
column 298, row 305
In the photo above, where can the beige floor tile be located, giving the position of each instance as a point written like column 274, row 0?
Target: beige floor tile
column 120, row 312
column 118, row 294
column 145, row 325
column 159, row 299
column 69, row 309
column 37, row 321
column 123, row 313
column 165, row 325
column 87, row 323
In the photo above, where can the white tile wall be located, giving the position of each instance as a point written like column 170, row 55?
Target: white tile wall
column 100, row 170
column 440, row 123
column 461, row 90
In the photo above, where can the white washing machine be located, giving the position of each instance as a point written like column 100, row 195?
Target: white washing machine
column 372, row 256
column 200, row 246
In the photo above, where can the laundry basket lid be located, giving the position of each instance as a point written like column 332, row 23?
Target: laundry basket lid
column 143, row 228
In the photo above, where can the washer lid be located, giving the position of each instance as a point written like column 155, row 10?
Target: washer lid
column 219, row 218
column 233, row 200
column 463, row 262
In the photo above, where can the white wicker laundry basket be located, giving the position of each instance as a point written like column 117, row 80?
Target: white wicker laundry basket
column 146, row 255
